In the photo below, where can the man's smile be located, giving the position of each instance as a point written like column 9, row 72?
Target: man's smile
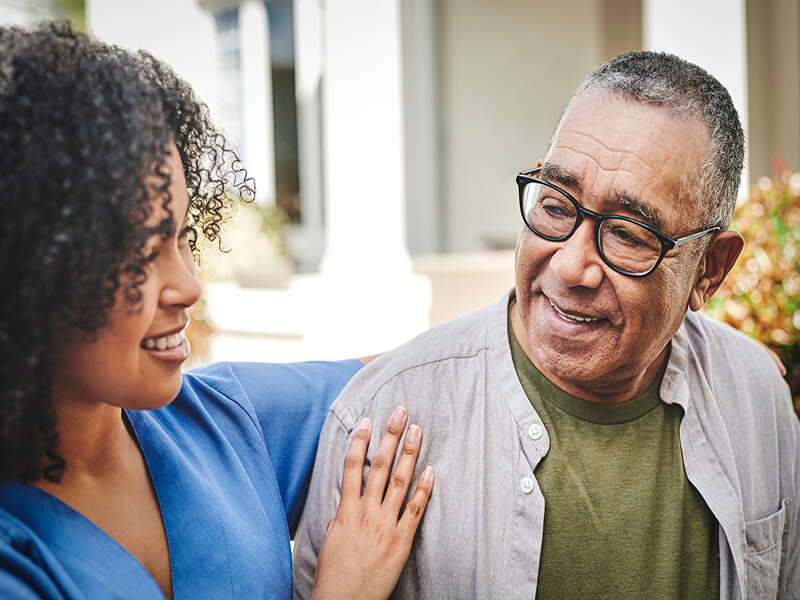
column 570, row 316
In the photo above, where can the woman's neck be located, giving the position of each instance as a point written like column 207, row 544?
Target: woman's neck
column 93, row 440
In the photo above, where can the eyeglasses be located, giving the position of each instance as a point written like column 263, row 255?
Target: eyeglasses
column 626, row 245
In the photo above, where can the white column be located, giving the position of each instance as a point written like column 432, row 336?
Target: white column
column 259, row 146
column 367, row 299
column 424, row 207
column 306, row 240
column 364, row 163
column 710, row 33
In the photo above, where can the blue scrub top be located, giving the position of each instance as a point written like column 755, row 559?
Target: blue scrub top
column 230, row 460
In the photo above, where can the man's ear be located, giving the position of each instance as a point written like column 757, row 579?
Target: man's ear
column 715, row 264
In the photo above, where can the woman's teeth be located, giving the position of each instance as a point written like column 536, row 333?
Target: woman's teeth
column 162, row 343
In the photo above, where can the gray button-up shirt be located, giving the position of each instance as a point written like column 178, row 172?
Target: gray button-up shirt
column 481, row 536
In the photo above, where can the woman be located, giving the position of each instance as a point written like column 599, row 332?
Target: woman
column 119, row 475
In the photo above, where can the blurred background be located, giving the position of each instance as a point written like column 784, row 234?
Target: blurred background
column 384, row 137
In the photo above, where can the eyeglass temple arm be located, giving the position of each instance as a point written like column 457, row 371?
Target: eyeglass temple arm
column 530, row 173
column 694, row 236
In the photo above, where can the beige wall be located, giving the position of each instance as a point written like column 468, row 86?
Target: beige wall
column 773, row 29
column 620, row 27
column 506, row 68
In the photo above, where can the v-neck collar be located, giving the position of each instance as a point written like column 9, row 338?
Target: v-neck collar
column 59, row 525
column 196, row 516
column 131, row 426
column 37, row 507
column 220, row 502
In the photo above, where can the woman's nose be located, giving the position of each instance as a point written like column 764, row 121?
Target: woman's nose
column 182, row 289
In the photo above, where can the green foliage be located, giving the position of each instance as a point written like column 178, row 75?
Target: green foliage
column 761, row 295
column 74, row 10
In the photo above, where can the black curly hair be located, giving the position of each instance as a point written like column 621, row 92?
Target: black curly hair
column 83, row 126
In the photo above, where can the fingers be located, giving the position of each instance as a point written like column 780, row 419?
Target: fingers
column 416, row 506
column 401, row 478
column 354, row 462
column 774, row 356
column 381, row 470
column 384, row 457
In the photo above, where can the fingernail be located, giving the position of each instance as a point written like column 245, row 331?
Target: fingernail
column 413, row 433
column 364, row 423
column 398, row 414
column 427, row 474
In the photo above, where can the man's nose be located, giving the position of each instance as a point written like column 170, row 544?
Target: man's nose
column 577, row 262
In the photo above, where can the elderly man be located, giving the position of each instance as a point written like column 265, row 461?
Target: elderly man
column 592, row 436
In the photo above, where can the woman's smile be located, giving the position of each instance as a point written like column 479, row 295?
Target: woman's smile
column 172, row 347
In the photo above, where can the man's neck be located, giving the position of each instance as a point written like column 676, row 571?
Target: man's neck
column 611, row 389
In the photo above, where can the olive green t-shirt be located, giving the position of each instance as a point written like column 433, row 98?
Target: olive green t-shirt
column 621, row 519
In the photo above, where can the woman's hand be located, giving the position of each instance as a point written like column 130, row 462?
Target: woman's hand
column 367, row 544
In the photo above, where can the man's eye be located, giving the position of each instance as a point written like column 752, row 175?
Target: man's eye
column 185, row 231
column 630, row 236
column 557, row 209
column 624, row 235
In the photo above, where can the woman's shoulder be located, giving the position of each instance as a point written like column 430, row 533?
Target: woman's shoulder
column 24, row 560
column 250, row 403
column 239, row 381
column 262, row 389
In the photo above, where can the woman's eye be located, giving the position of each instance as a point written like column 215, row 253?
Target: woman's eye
column 149, row 257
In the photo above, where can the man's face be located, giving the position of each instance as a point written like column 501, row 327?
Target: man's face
column 589, row 327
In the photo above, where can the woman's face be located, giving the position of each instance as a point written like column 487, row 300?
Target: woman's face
column 135, row 361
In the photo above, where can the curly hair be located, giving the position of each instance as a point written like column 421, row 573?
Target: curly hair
column 85, row 128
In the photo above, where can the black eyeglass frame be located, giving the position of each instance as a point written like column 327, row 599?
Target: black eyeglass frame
column 667, row 243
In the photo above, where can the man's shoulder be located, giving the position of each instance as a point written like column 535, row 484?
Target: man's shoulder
column 462, row 337
column 726, row 349
column 744, row 380
column 439, row 359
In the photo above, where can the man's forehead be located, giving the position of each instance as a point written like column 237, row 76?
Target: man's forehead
column 596, row 109
column 642, row 155
column 626, row 200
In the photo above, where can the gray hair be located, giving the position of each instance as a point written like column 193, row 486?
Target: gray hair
column 686, row 90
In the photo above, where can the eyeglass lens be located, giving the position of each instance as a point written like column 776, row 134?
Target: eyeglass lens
column 625, row 245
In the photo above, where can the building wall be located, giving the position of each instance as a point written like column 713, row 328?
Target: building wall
column 178, row 32
column 773, row 29
column 620, row 27
column 506, row 68
column 26, row 12
column 713, row 35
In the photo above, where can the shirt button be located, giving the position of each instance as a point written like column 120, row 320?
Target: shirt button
column 535, row 431
column 526, row 485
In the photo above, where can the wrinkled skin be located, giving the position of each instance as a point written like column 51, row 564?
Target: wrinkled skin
column 614, row 147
